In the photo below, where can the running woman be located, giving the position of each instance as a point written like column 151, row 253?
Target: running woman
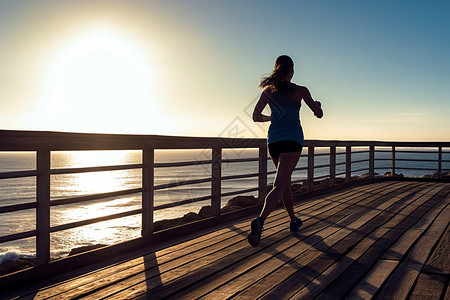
column 285, row 137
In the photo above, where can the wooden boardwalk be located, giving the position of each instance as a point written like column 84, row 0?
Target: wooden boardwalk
column 388, row 240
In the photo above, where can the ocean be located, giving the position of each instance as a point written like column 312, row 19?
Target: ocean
column 23, row 190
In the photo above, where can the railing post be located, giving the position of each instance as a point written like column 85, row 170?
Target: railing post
column 148, row 180
column 43, row 208
column 348, row 163
column 332, row 165
column 262, row 180
column 310, row 168
column 439, row 162
column 393, row 162
column 371, row 161
column 216, row 185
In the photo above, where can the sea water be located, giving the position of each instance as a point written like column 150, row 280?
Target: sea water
column 23, row 190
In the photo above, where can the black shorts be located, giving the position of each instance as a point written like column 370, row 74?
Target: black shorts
column 275, row 149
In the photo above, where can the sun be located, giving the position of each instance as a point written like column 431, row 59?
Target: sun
column 98, row 78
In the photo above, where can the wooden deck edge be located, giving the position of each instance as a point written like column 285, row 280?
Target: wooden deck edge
column 108, row 255
column 102, row 257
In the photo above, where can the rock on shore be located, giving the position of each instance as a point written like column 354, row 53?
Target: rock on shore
column 206, row 212
column 10, row 266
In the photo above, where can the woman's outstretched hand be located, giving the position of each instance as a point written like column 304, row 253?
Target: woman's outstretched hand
column 320, row 106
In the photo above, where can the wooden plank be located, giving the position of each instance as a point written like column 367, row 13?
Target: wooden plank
column 371, row 161
column 148, row 183
column 439, row 171
column 328, row 200
column 17, row 174
column 220, row 235
column 439, row 261
column 399, row 249
column 300, row 279
column 429, row 286
column 15, row 140
column 262, row 179
column 212, row 266
column 243, row 247
column 290, row 259
column 332, row 165
column 216, row 183
column 393, row 162
column 380, row 239
column 174, row 252
column 314, row 204
column 361, row 266
column 348, row 163
column 266, row 283
column 282, row 269
column 402, row 280
column 371, row 283
column 43, row 208
column 310, row 169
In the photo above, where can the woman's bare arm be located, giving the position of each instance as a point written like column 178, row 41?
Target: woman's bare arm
column 259, row 107
column 315, row 106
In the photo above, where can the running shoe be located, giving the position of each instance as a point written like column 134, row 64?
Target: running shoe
column 255, row 235
column 296, row 225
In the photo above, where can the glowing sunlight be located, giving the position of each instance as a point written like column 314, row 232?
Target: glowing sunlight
column 98, row 81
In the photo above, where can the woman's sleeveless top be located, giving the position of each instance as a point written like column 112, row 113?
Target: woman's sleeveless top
column 285, row 119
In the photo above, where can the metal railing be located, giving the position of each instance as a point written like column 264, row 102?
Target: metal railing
column 44, row 143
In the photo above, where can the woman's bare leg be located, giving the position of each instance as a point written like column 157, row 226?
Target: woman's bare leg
column 286, row 165
column 287, row 197
column 288, row 202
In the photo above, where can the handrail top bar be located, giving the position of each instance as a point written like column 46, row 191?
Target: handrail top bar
column 356, row 143
column 16, row 140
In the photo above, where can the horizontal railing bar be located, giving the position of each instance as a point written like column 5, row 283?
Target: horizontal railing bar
column 235, row 160
column 94, row 169
column 17, row 236
column 239, row 192
column 301, row 169
column 359, row 161
column 321, row 154
column 17, row 207
column 273, row 172
column 182, row 164
column 14, row 140
column 94, row 220
column 421, row 160
column 321, row 166
column 342, row 173
column 416, row 152
column 98, row 196
column 176, row 184
column 18, row 174
column 239, row 176
column 182, row 202
column 360, row 151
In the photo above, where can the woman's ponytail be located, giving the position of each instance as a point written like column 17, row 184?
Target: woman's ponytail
column 276, row 80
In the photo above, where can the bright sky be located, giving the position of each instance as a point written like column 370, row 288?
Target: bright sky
column 380, row 68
